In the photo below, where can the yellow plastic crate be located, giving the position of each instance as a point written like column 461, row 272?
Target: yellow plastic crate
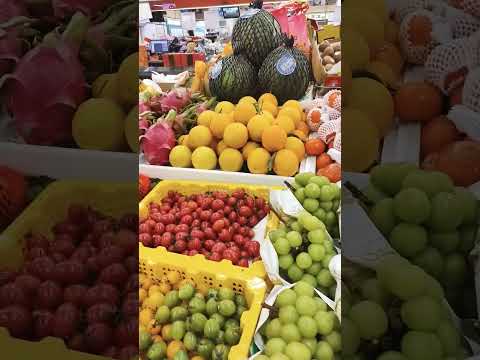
column 48, row 208
column 157, row 263
column 195, row 187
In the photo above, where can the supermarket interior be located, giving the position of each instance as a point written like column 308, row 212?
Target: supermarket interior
column 178, row 190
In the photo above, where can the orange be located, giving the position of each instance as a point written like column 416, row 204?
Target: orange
column 437, row 134
column 155, row 330
column 314, row 147
column 390, row 55
column 297, row 146
column 166, row 330
column 174, row 347
column 420, row 30
column 300, row 134
column 418, row 102
column 303, row 127
column 333, row 172
column 323, row 160
column 274, row 138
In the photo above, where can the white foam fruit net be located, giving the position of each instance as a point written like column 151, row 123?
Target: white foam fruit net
column 418, row 53
column 337, row 143
column 332, row 113
column 333, row 99
column 471, row 90
column 469, row 6
column 464, row 25
column 328, row 130
column 403, row 8
column 448, row 64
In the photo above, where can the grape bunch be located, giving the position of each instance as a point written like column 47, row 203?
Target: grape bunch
column 397, row 313
column 428, row 221
column 320, row 198
column 304, row 252
column 301, row 327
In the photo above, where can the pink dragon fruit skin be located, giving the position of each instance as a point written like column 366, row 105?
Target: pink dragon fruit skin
column 11, row 8
column 46, row 88
column 157, row 142
column 64, row 8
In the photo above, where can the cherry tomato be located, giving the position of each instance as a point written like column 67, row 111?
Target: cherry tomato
column 101, row 312
column 49, row 295
column 77, row 343
column 128, row 352
column 37, row 241
column 17, row 319
column 66, row 322
column 101, row 293
column 42, row 267
column 28, row 283
column 42, row 324
column 126, row 239
column 74, row 294
column 71, row 272
column 98, row 337
column 114, row 274
column 126, row 333
column 13, row 294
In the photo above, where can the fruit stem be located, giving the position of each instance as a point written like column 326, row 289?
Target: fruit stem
column 358, row 194
column 76, row 29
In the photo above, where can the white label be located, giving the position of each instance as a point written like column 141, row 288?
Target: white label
column 286, row 65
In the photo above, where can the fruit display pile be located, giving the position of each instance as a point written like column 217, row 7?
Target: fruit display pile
column 253, row 136
column 301, row 326
column 179, row 322
column 218, row 225
column 397, row 312
column 80, row 286
column 442, row 99
column 92, row 50
column 429, row 222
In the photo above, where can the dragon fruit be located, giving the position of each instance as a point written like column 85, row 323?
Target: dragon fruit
column 157, row 142
column 10, row 9
column 175, row 100
column 64, row 8
column 47, row 86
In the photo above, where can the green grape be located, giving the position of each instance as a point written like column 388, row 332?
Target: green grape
column 372, row 290
column 295, row 273
column 392, row 355
column 421, row 180
column 336, row 205
column 446, row 242
column 320, row 214
column 298, row 351
column 325, row 279
column 467, row 238
column 470, row 205
column 306, row 305
column 421, row 313
column 303, row 178
column 290, row 333
column 282, row 246
column 455, row 270
column 312, row 223
column 279, row 356
column 302, row 288
column 326, row 205
column 285, row 261
column 273, row 328
column 431, row 261
column 383, row 216
column 316, row 252
column 319, row 180
column 449, row 337
column 311, row 344
column 447, row 212
column 388, row 178
column 311, row 205
column 326, row 260
column 370, row 319
column 296, row 226
column 328, row 245
column 275, row 345
column 303, row 260
column 276, row 234
column 412, row 206
column 300, row 195
column 324, row 351
column 286, row 297
column 441, row 182
column 315, row 268
column 317, row 236
column 307, row 326
column 408, row 239
column 262, row 357
column 400, row 277
column 328, row 193
column 335, row 340
column 310, row 279
column 312, row 191
column 321, row 305
column 418, row 345
column 433, row 288
column 294, row 238
column 373, row 193
column 330, row 219
column 288, row 314
column 350, row 337
column 325, row 322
